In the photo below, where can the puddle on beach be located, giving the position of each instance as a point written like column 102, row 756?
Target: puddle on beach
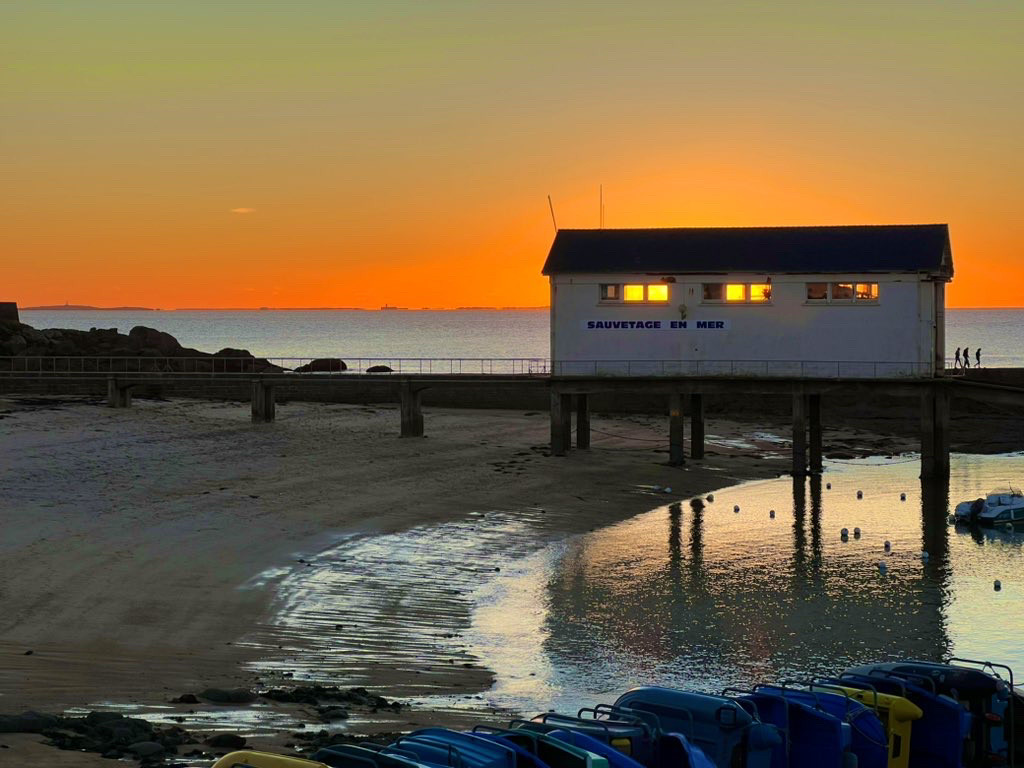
column 677, row 596
column 714, row 598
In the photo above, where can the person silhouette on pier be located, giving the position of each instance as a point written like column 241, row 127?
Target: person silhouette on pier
column 967, row 358
column 977, row 357
column 956, row 360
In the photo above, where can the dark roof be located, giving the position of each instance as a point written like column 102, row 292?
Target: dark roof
column 888, row 248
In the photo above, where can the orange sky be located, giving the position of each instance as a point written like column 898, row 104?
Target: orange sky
column 316, row 153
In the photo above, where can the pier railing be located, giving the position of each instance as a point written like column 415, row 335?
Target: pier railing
column 92, row 366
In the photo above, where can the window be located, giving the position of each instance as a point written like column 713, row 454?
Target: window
column 611, row 292
column 714, row 292
column 817, row 291
column 867, row 291
column 738, row 293
column 735, row 292
column 842, row 291
column 634, row 293
column 657, row 292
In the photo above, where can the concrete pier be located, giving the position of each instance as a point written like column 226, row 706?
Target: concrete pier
column 411, row 406
column 697, row 426
column 814, row 432
column 676, row 456
column 583, row 422
column 9, row 312
column 119, row 393
column 799, row 434
column 264, row 405
column 561, row 422
column 935, row 432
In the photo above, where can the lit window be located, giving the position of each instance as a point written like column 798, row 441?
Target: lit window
column 714, row 292
column 611, row 292
column 657, row 292
column 634, row 293
column 761, row 292
column 842, row 291
column 817, row 291
column 736, row 292
column 867, row 291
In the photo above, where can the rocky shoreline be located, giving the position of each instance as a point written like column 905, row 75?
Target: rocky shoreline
column 116, row 736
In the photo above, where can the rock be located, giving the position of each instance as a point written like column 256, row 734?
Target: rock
column 145, row 748
column 15, row 345
column 380, row 369
column 224, row 696
column 27, row 722
column 226, row 741
column 141, row 337
column 334, row 713
column 323, row 365
column 186, row 698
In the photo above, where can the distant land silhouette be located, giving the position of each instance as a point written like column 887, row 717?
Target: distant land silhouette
column 80, row 307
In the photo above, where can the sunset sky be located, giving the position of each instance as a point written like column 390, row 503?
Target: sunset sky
column 347, row 153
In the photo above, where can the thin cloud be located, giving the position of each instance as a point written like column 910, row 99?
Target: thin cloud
column 242, row 210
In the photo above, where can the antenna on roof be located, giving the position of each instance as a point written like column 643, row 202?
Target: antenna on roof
column 552, row 207
column 600, row 207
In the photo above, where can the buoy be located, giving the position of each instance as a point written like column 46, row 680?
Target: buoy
column 888, row 546
column 882, row 567
column 828, row 486
column 925, row 555
column 860, row 494
column 771, row 514
column 736, row 508
column 668, row 490
column 844, row 534
column 903, row 497
column 856, row 533
column 711, row 497
column 998, row 585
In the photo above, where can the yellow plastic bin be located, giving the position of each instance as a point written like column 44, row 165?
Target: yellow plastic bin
column 897, row 715
column 248, row 759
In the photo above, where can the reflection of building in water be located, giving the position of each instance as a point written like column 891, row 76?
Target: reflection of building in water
column 698, row 597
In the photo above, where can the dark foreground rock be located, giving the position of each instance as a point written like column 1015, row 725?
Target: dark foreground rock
column 380, row 369
column 141, row 349
column 315, row 695
column 323, row 365
column 110, row 734
column 228, row 696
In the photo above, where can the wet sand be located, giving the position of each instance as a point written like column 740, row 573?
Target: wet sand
column 154, row 551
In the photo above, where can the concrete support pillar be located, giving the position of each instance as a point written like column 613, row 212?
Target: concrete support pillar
column 928, row 432
column 799, row 435
column 412, row 410
column 942, row 432
column 561, row 423
column 264, row 403
column 814, row 424
column 583, row 422
column 697, row 426
column 676, row 457
column 119, row 395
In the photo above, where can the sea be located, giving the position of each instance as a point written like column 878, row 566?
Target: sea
column 490, row 334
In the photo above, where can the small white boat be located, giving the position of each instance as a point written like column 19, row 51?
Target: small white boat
column 1001, row 506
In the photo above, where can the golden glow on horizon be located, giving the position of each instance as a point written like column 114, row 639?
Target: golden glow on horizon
column 359, row 154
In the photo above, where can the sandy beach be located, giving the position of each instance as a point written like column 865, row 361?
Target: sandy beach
column 144, row 548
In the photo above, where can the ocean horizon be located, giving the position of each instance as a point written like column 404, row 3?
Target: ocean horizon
column 468, row 333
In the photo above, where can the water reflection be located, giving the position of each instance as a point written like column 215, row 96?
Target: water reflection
column 741, row 598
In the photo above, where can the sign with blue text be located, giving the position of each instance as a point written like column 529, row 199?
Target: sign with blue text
column 655, row 325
